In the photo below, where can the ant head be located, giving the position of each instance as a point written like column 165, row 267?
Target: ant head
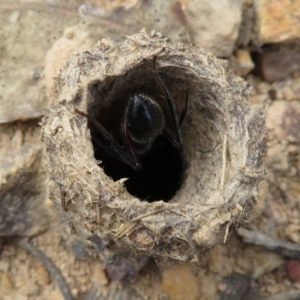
column 144, row 118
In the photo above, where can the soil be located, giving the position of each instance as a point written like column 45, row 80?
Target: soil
column 265, row 273
column 22, row 276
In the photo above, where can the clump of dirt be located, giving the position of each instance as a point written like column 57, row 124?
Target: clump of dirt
column 224, row 141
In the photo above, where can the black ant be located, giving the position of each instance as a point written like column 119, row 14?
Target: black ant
column 142, row 123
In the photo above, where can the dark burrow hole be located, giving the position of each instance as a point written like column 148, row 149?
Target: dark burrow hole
column 160, row 177
column 162, row 167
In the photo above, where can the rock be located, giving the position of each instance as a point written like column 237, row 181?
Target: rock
column 22, row 88
column 125, row 268
column 27, row 35
column 257, row 262
column 43, row 276
column 168, row 16
column 277, row 21
column 180, row 283
column 278, row 63
column 23, row 94
column 4, row 265
column 209, row 24
column 214, row 25
column 288, row 94
column 237, row 286
column 6, row 285
column 283, row 120
column 22, row 181
column 242, row 62
column 98, row 275
column 246, row 30
column 78, row 249
column 293, row 270
column 291, row 231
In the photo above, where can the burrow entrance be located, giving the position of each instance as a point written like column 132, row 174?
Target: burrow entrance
column 163, row 166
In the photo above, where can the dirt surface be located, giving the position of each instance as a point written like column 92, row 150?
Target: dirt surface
column 253, row 271
column 22, row 276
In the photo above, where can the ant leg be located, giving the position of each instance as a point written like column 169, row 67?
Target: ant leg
column 185, row 110
column 171, row 104
column 114, row 146
column 129, row 145
column 106, row 149
column 166, row 132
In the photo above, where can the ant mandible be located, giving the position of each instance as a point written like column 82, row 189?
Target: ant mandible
column 142, row 123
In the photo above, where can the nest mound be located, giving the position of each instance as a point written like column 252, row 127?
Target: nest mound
column 218, row 168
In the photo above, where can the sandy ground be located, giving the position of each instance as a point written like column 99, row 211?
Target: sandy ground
column 23, row 276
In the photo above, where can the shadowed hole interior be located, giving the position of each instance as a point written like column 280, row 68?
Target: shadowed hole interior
column 160, row 177
column 162, row 167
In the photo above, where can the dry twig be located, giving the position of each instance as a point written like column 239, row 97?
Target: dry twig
column 286, row 295
column 257, row 237
column 50, row 267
